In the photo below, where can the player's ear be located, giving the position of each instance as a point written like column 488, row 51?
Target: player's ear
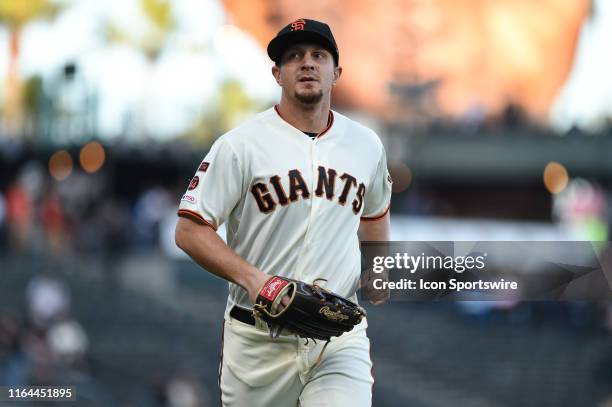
column 337, row 73
column 276, row 74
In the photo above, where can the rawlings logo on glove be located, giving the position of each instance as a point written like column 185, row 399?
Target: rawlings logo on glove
column 333, row 316
column 272, row 287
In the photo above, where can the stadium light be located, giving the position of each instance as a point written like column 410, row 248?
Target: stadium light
column 92, row 156
column 555, row 177
column 60, row 165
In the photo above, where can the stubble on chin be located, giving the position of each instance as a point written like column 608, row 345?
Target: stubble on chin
column 310, row 98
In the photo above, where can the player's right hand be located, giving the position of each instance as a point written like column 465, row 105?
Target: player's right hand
column 256, row 284
column 259, row 281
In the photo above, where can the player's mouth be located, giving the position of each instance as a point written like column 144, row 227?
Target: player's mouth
column 307, row 79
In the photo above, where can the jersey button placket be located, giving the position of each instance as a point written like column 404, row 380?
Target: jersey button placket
column 313, row 203
column 303, row 260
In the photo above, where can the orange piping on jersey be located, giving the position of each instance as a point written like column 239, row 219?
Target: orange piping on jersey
column 278, row 112
column 377, row 217
column 330, row 121
column 194, row 216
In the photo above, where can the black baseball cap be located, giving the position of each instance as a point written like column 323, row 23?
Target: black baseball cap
column 302, row 30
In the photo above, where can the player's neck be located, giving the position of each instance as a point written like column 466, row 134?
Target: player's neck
column 312, row 119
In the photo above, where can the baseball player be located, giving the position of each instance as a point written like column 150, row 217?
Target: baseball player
column 297, row 186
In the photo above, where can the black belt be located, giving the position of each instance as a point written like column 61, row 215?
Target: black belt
column 242, row 315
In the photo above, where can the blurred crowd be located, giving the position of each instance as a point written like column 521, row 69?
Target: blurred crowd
column 58, row 222
column 47, row 345
column 39, row 215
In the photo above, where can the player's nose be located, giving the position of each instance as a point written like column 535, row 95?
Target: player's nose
column 308, row 61
column 308, row 67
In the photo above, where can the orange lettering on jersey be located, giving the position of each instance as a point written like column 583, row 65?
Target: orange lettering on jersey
column 297, row 183
column 278, row 188
column 349, row 181
column 327, row 181
column 326, row 185
column 263, row 197
column 358, row 201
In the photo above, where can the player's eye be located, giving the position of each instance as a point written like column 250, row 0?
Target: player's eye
column 293, row 55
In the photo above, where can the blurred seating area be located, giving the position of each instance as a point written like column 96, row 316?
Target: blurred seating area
column 55, row 204
column 61, row 210
column 123, row 344
column 116, row 345
column 531, row 354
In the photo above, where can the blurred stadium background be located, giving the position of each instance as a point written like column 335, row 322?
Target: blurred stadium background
column 497, row 118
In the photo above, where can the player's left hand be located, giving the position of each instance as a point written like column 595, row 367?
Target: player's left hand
column 284, row 302
column 376, row 296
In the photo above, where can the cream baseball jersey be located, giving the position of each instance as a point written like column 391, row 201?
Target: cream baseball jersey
column 292, row 205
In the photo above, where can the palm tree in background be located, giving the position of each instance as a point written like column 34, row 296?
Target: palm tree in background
column 15, row 15
column 231, row 106
column 158, row 14
column 150, row 42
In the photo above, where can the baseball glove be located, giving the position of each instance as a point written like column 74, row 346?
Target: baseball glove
column 312, row 311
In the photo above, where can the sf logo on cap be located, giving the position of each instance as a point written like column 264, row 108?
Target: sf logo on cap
column 298, row 24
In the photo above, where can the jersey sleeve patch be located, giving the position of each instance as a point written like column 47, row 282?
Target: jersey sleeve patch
column 207, row 192
column 194, row 183
column 204, row 166
column 189, row 198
